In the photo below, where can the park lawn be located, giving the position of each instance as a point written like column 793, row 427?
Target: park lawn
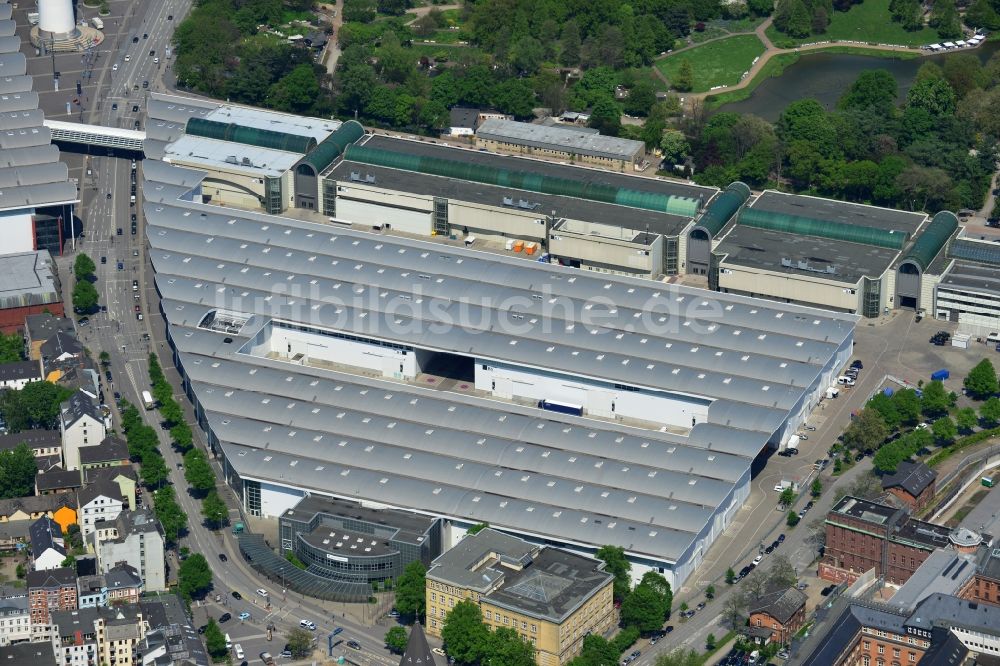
column 719, row 63
column 868, row 21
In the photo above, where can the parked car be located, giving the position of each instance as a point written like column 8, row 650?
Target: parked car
column 757, row 560
column 237, row 595
column 781, row 538
column 354, row 645
column 244, row 615
column 857, row 364
column 223, row 558
column 225, row 617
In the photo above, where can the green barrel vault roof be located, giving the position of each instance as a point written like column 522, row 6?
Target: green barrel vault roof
column 720, row 211
column 532, row 182
column 334, row 145
column 932, row 239
column 807, row 226
column 252, row 136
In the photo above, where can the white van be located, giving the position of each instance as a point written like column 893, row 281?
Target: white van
column 844, row 380
column 229, row 642
column 238, row 651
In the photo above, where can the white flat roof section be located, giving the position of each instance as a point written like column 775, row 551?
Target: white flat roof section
column 318, row 128
column 214, row 154
column 560, row 138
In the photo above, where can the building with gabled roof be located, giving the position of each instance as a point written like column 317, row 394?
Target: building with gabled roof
column 56, row 480
column 912, row 484
column 48, row 591
column 29, row 280
column 417, row 652
column 134, row 538
column 99, row 503
column 48, row 548
column 782, row 612
column 110, row 452
column 82, row 424
column 16, row 375
column 43, row 443
column 40, row 327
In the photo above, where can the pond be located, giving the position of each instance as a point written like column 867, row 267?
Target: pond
column 825, row 77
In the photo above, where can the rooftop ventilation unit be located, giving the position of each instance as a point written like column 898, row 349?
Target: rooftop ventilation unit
column 232, row 160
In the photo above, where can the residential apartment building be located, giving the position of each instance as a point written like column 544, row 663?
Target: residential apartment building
column 36, row 654
column 41, row 327
column 100, row 502
column 863, row 535
column 48, row 548
column 134, row 538
column 123, row 584
column 985, row 584
column 110, row 452
column 50, row 591
column 553, row 598
column 90, row 636
column 82, row 424
column 778, row 615
column 61, row 508
column 92, row 591
column 43, row 443
column 17, row 375
column 15, row 621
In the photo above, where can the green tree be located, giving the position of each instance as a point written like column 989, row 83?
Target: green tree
column 875, row 90
column 935, row 399
column 154, row 468
column 37, row 405
column 526, row 55
column 981, row 382
column 659, row 584
column 476, row 529
column 169, row 513
column 990, row 411
column 684, row 81
column 198, row 472
column 888, row 457
column 981, row 14
column 944, row 17
column 642, row 609
column 105, row 358
column 932, row 95
column 215, row 641
column 618, row 566
column 606, row 116
column 464, row 633
column 816, row 489
column 194, row 578
column 792, row 519
column 710, row 642
column 908, row 405
column 787, row 496
column 730, row 576
column 83, row 267
column 596, row 651
column 85, row 297
column 505, row 647
column 966, row 419
column 945, row 431
column 866, row 431
column 214, row 510
column 296, row 92
column 11, row 347
column 410, row 590
column 17, row 472
column 300, row 643
column 674, row 145
column 395, row 639
column 570, row 43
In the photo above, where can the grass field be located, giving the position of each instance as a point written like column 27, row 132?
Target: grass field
column 720, row 63
column 866, row 22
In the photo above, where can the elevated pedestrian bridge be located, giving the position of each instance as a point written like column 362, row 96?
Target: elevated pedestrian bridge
column 96, row 135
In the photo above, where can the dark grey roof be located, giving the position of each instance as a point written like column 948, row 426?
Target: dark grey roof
column 417, row 653
column 57, row 478
column 46, row 534
column 122, row 575
column 80, row 404
column 553, row 585
column 37, row 503
column 779, row 604
column 26, row 278
column 872, row 512
column 166, row 615
column 943, row 610
column 35, row 439
column 969, row 276
column 463, row 117
column 62, row 342
column 110, row 449
column 458, row 566
column 53, row 578
column 29, row 370
column 765, row 249
column 140, row 521
column 45, row 325
column 102, row 487
column 922, row 534
column 947, row 649
column 394, row 525
column 36, row 654
column 839, row 211
column 914, row 478
column 95, row 474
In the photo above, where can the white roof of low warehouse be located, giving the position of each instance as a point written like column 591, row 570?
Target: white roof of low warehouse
column 566, row 139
